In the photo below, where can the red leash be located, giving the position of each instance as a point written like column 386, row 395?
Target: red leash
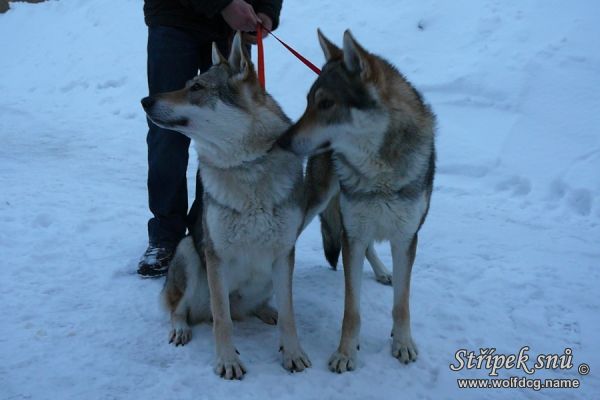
column 261, row 54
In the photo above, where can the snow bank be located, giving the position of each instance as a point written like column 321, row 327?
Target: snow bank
column 508, row 257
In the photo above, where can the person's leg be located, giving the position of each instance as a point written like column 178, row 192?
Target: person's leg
column 172, row 60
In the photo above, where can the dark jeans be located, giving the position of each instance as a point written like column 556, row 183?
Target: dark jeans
column 174, row 56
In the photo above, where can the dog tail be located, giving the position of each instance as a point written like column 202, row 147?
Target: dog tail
column 331, row 231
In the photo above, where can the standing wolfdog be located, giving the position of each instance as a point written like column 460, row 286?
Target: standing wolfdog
column 382, row 136
column 255, row 204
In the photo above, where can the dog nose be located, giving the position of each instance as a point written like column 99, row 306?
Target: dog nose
column 148, row 102
column 285, row 140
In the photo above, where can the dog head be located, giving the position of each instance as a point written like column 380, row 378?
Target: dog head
column 351, row 102
column 217, row 108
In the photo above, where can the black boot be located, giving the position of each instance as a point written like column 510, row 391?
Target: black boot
column 155, row 262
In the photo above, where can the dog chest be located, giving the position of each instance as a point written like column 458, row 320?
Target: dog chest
column 382, row 218
column 255, row 228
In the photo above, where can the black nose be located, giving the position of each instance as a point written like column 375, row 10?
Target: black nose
column 148, row 102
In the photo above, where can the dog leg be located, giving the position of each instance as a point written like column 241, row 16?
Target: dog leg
column 181, row 333
column 403, row 254
column 266, row 314
column 353, row 255
column 179, row 286
column 382, row 274
column 294, row 358
column 228, row 363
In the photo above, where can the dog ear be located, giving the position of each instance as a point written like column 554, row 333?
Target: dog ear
column 217, row 57
column 356, row 58
column 239, row 59
column 330, row 50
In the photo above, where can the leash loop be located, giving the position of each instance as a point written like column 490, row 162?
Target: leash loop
column 261, row 54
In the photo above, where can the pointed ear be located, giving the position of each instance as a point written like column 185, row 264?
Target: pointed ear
column 217, row 57
column 239, row 60
column 330, row 50
column 356, row 58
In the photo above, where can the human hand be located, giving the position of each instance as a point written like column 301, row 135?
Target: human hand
column 265, row 20
column 240, row 16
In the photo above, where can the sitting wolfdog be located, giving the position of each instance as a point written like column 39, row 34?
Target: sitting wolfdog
column 255, row 204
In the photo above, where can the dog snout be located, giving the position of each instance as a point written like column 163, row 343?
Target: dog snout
column 148, row 102
column 285, row 140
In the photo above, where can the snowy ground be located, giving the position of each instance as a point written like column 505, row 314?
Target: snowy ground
column 509, row 256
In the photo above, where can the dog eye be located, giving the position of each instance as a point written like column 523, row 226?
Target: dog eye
column 325, row 104
column 196, row 86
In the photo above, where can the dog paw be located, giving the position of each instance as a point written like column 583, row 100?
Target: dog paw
column 295, row 360
column 404, row 350
column 180, row 336
column 267, row 314
column 385, row 279
column 230, row 367
column 342, row 361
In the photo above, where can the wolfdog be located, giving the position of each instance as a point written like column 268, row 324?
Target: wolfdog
column 255, row 203
column 382, row 137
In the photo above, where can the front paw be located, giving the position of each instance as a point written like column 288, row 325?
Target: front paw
column 230, row 367
column 342, row 361
column 295, row 360
column 404, row 349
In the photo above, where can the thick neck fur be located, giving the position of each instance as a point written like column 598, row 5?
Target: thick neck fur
column 243, row 174
column 255, row 132
column 387, row 155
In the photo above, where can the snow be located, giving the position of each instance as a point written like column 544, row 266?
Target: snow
column 508, row 257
